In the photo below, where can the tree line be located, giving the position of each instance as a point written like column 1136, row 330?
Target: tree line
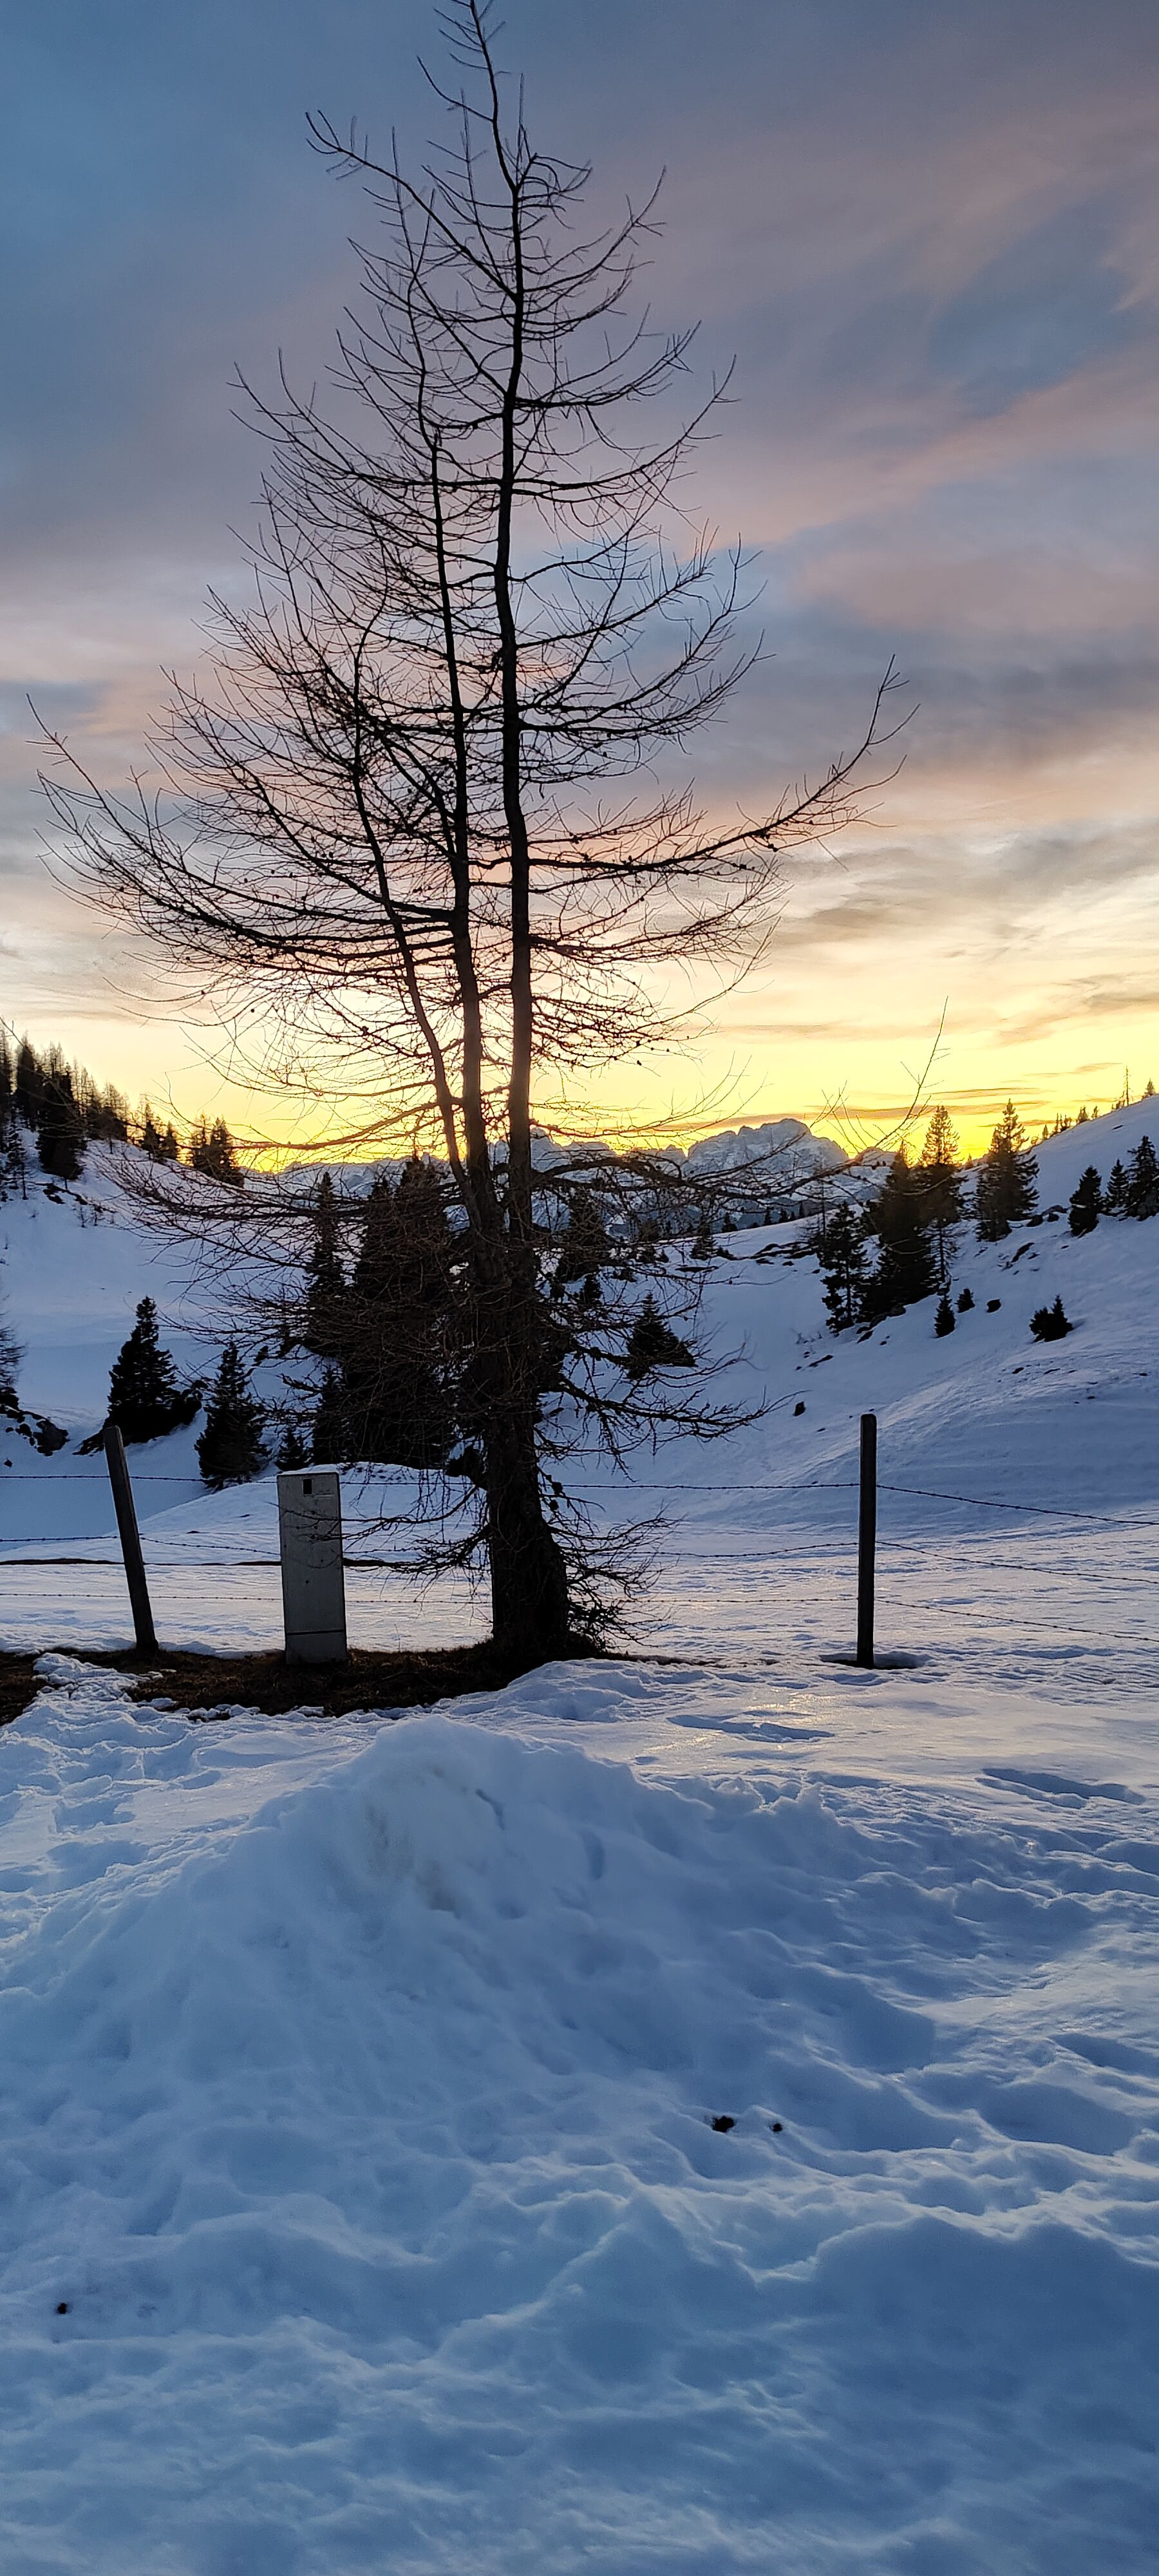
column 64, row 1111
column 898, row 1249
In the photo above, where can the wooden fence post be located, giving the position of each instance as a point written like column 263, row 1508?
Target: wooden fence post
column 866, row 1539
column 130, row 1541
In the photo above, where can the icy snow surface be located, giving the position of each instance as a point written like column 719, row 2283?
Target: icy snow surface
column 362, row 2205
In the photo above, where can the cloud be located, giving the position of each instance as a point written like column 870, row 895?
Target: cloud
column 932, row 236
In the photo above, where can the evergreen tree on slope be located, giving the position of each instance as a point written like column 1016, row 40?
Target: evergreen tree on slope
column 145, row 1400
column 1142, row 1194
column 843, row 1269
column 940, row 1182
column 400, row 1348
column 907, row 1269
column 231, row 1449
column 60, row 1128
column 1086, row 1202
column 325, row 1279
column 1005, row 1193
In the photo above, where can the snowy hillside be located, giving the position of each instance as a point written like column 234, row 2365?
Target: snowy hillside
column 986, row 1413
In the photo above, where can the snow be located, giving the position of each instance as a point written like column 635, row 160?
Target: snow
column 359, row 2089
column 363, row 2207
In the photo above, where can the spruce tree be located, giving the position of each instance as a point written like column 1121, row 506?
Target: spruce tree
column 945, row 1318
column 29, row 1086
column 150, row 1135
column 145, row 1400
column 292, row 1450
column 231, row 1449
column 703, row 1243
column 585, row 1246
column 940, row 1181
column 1005, row 1193
column 325, row 1279
column 1049, row 1323
column 211, row 1150
column 1086, row 1202
column 399, row 1348
column 1142, row 1198
column 1115, row 1199
column 652, row 1344
column 965, row 1300
column 60, row 1128
column 906, row 1265
column 843, row 1269
column 330, row 1439
column 9, row 1364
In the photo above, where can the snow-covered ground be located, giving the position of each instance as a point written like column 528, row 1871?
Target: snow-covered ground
column 363, row 2208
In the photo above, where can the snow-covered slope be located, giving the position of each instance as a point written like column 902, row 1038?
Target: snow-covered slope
column 985, row 1413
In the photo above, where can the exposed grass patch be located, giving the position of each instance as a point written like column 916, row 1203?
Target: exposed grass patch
column 206, row 1684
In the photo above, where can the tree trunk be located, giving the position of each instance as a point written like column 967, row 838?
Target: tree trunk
column 529, row 1606
column 511, row 1365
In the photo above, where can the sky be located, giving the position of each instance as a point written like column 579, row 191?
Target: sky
column 928, row 234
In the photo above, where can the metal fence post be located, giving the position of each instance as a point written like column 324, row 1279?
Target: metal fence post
column 310, row 1546
column 866, row 1539
column 125, row 1509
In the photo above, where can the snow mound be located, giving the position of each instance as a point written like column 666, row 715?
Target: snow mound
column 365, row 2209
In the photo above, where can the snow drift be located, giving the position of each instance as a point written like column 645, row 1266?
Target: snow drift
column 363, row 2204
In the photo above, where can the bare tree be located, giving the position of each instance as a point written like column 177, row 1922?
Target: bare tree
column 418, row 816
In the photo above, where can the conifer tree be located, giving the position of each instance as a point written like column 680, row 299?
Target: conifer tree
column 330, row 1438
column 1142, row 1196
column 965, row 1300
column 1006, row 1193
column 1115, row 1199
column 150, row 1135
column 29, row 1086
column 843, row 1269
column 652, row 1344
column 60, row 1127
column 1049, row 1323
column 231, row 1449
column 145, row 1400
column 325, row 1279
column 292, row 1450
column 586, row 1246
column 9, row 1363
column 940, row 1181
column 703, row 1243
column 1086, row 1202
column 400, row 1342
column 945, row 1319
column 211, row 1150
column 906, row 1266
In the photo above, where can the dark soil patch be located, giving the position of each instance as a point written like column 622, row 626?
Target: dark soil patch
column 212, row 1684
column 18, row 1685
